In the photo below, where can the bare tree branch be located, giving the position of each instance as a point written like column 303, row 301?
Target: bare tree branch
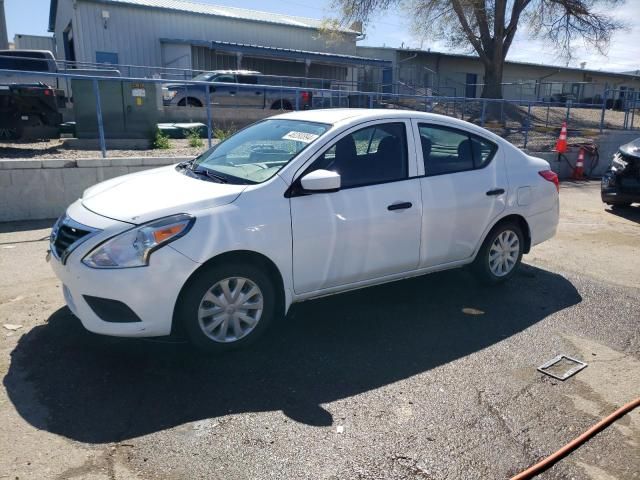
column 484, row 26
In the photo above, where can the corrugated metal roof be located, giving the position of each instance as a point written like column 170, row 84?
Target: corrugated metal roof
column 283, row 52
column 223, row 11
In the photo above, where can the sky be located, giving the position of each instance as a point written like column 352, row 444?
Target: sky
column 391, row 29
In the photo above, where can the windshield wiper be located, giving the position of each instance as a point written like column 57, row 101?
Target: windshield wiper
column 185, row 164
column 209, row 174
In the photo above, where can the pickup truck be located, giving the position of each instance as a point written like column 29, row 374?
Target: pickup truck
column 245, row 90
column 28, row 111
column 45, row 62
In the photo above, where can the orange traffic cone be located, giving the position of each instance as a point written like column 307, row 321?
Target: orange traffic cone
column 578, row 171
column 561, row 144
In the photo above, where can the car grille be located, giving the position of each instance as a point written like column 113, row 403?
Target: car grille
column 66, row 235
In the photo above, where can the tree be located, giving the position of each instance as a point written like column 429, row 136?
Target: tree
column 489, row 26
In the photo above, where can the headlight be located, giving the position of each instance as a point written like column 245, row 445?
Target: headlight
column 618, row 164
column 133, row 247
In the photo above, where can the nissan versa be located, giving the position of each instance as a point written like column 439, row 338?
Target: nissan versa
column 297, row 206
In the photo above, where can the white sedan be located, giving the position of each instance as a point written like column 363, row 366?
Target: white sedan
column 294, row 207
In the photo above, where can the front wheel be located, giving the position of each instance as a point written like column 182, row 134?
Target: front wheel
column 620, row 204
column 227, row 307
column 500, row 254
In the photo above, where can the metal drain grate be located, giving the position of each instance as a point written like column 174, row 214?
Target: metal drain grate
column 562, row 367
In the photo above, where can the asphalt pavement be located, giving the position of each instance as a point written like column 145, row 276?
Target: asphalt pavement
column 429, row 378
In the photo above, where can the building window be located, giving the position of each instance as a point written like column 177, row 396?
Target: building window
column 107, row 57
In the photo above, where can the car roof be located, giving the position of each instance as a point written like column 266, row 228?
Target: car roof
column 235, row 72
column 357, row 115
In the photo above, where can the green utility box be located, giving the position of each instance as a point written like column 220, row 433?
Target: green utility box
column 129, row 109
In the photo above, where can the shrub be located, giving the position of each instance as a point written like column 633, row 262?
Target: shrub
column 161, row 141
column 222, row 133
column 194, row 138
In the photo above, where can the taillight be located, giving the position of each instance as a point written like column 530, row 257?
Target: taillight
column 552, row 177
column 306, row 96
column 47, row 93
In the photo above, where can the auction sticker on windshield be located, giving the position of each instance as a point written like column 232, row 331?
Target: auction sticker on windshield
column 300, row 136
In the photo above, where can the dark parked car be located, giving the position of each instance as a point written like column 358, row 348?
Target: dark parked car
column 621, row 184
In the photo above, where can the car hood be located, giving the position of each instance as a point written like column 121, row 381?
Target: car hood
column 150, row 194
column 631, row 149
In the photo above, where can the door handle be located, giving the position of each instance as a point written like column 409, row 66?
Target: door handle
column 497, row 191
column 399, row 206
column 258, row 93
column 232, row 93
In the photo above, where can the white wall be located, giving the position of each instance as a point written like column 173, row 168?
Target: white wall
column 39, row 189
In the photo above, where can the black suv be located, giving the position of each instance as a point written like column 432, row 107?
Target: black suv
column 620, row 185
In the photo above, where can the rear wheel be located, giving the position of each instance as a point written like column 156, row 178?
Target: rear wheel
column 500, row 254
column 191, row 102
column 227, row 307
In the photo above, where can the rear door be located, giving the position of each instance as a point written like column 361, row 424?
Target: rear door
column 249, row 95
column 464, row 188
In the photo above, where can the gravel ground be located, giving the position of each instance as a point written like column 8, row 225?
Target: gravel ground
column 393, row 382
column 55, row 149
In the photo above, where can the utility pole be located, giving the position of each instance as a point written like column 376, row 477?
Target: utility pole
column 4, row 39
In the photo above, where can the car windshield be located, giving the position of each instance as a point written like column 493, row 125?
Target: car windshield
column 256, row 153
column 203, row 77
column 214, row 77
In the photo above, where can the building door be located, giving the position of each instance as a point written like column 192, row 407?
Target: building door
column 470, row 85
column 387, row 80
column 69, row 48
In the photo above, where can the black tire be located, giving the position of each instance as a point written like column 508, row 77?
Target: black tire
column 206, row 279
column 481, row 267
column 191, row 102
column 620, row 204
column 281, row 105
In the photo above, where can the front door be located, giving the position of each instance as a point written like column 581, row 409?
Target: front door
column 371, row 226
column 224, row 95
column 464, row 189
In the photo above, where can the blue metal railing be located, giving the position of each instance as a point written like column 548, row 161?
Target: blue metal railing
column 459, row 106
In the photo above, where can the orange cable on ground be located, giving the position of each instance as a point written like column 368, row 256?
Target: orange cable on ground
column 576, row 442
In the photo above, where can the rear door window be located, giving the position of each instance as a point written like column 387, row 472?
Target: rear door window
column 26, row 61
column 248, row 79
column 449, row 150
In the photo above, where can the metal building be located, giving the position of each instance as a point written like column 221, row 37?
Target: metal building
column 34, row 42
column 187, row 35
column 427, row 72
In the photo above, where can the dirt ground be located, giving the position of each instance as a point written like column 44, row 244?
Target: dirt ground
column 337, row 391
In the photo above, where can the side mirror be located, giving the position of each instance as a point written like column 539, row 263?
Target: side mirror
column 320, row 181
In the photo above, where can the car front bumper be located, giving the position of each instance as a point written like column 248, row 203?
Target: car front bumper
column 611, row 190
column 150, row 292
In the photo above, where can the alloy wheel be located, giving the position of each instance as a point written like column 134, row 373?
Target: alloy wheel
column 504, row 253
column 230, row 309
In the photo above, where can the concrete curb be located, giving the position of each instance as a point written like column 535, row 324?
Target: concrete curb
column 23, row 163
column 40, row 189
